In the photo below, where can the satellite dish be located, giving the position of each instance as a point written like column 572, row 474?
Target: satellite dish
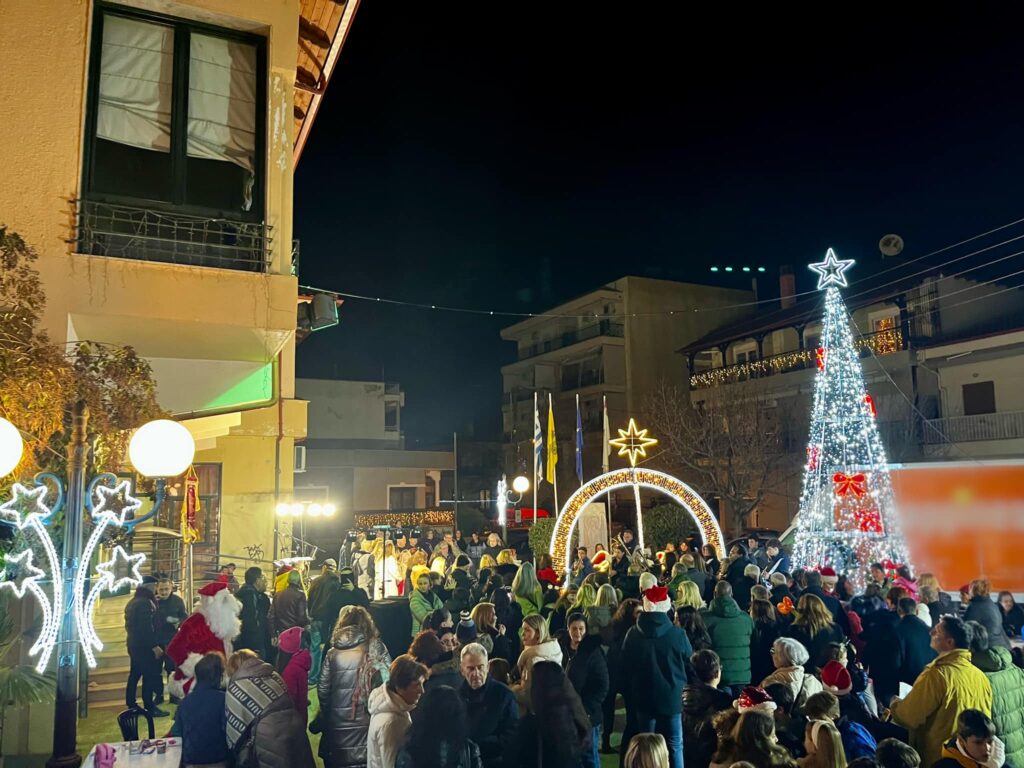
column 891, row 245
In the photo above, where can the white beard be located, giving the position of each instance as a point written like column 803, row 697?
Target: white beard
column 221, row 613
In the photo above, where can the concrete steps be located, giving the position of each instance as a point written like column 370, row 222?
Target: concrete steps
column 106, row 683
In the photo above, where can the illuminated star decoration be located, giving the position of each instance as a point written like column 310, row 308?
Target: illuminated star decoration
column 633, row 442
column 21, row 574
column 831, row 270
column 115, row 504
column 113, row 571
column 25, row 504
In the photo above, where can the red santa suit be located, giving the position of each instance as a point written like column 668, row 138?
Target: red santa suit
column 211, row 628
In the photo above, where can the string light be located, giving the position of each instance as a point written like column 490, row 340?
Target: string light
column 502, row 501
column 848, row 516
column 633, row 442
column 120, row 562
column 617, row 479
column 117, row 503
column 405, row 519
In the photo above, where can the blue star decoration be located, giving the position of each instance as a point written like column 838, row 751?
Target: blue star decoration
column 121, row 569
column 116, row 503
column 19, row 573
column 831, row 270
column 24, row 504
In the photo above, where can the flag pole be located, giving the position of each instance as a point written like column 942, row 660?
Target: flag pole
column 554, row 469
column 605, row 450
column 536, row 478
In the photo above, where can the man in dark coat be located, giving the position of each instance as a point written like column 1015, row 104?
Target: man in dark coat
column 289, row 607
column 778, row 560
column 834, row 606
column 913, row 641
column 347, row 593
column 492, row 711
column 881, row 653
column 255, row 634
column 653, row 668
column 701, row 700
column 170, row 612
column 144, row 648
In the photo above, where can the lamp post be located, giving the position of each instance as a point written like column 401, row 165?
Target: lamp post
column 505, row 497
column 159, row 449
column 301, row 510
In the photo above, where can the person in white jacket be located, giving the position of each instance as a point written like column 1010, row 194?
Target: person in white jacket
column 538, row 645
column 389, row 706
column 789, row 657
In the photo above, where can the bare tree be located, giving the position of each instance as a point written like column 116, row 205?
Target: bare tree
column 731, row 444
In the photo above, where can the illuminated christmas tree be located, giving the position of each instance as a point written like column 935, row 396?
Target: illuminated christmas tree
column 848, row 516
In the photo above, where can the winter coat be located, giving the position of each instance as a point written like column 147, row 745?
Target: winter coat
column 913, row 644
column 817, row 645
column 139, row 616
column 857, row 741
column 691, row 574
column 989, row 615
column 255, row 634
column 352, row 668
column 445, row 671
column 263, row 728
column 549, row 650
column 296, row 680
column 741, row 591
column 700, row 702
column 389, row 722
column 530, row 605
column 201, row 721
column 653, row 664
column 493, row 719
column 881, row 653
column 599, row 621
column 834, row 607
column 801, row 682
column 761, row 641
column 587, row 670
column 536, row 751
column 289, row 609
column 1013, row 622
column 172, row 607
column 730, row 629
column 320, row 593
column 945, row 688
column 346, row 594
column 1007, row 681
column 500, row 645
column 420, row 605
column 469, row 756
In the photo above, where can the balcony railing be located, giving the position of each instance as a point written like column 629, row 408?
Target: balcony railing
column 881, row 343
column 104, row 229
column 567, row 339
column 966, row 429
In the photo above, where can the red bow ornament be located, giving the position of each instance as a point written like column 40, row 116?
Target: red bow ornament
column 868, row 520
column 847, row 484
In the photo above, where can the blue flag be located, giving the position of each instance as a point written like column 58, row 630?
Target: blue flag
column 579, row 442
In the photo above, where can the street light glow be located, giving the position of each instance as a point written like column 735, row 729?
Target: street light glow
column 162, row 448
column 521, row 484
column 11, row 447
column 283, row 510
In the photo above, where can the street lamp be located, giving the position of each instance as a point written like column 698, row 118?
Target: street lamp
column 302, row 510
column 159, row 449
column 520, row 485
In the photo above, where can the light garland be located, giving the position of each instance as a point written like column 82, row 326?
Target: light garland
column 109, row 580
column 617, row 479
column 405, row 519
column 848, row 515
column 502, row 500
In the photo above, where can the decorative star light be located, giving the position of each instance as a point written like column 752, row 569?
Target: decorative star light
column 25, row 505
column 121, row 563
column 21, row 573
column 831, row 270
column 633, row 442
column 115, row 504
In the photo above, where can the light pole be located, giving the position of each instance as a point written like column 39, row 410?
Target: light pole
column 505, row 497
column 159, row 449
column 301, row 510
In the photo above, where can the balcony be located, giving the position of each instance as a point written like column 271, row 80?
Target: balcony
column 567, row 339
column 144, row 234
column 966, row 429
column 880, row 343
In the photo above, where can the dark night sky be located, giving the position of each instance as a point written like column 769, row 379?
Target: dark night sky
column 513, row 160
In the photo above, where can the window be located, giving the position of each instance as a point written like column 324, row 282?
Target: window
column 979, row 398
column 176, row 116
column 812, row 336
column 745, row 353
column 401, row 498
column 390, row 417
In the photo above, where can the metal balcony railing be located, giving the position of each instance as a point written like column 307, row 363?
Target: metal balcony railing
column 121, row 231
column 966, row 429
column 592, row 331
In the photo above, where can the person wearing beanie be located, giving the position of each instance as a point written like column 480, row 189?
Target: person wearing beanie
column 294, row 661
column 730, row 629
column 653, row 670
column 465, row 632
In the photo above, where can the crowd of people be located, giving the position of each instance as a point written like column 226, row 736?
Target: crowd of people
column 739, row 661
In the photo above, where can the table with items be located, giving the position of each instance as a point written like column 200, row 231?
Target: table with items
column 148, row 753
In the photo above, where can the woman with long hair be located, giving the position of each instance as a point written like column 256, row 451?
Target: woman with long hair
column 556, row 731
column 385, row 583
column 766, row 632
column 438, row 737
column 356, row 663
column 623, row 620
column 488, row 562
column 526, row 590
column 982, row 609
column 689, row 595
column 824, row 746
column 647, row 750
column 814, row 628
column 690, row 621
column 1013, row 615
column 586, row 596
column 489, row 633
column 587, row 670
column 753, row 741
column 538, row 645
column 599, row 615
column 711, row 562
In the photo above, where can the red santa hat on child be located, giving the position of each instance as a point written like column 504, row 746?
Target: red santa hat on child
column 656, row 600
column 754, row 699
column 213, row 588
column 836, row 679
column 828, row 574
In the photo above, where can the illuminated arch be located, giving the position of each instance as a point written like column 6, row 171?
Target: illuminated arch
column 685, row 496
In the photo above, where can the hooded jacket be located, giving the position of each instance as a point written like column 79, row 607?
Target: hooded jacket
column 653, row 664
column 296, row 673
column 700, row 702
column 420, row 605
column 802, row 683
column 389, row 722
column 352, row 668
column 587, row 670
column 730, row 629
column 945, row 688
column 987, row 613
column 1007, row 681
column 549, row 650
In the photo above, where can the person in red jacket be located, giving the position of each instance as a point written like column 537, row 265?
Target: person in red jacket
column 293, row 663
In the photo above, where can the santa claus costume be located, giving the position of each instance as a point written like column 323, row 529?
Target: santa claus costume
column 211, row 628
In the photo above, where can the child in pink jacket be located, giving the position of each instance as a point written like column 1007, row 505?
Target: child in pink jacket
column 293, row 662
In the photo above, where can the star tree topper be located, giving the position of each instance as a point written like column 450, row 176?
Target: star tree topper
column 633, row 442
column 831, row 270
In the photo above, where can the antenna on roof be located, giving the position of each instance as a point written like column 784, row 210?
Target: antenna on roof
column 891, row 245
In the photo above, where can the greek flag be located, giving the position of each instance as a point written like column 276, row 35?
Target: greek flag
column 538, row 443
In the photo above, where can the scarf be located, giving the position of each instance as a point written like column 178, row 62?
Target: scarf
column 375, row 661
column 248, row 698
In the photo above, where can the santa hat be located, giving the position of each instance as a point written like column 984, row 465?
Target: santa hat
column 829, row 574
column 600, row 559
column 656, row 600
column 213, row 588
column 647, row 580
column 754, row 699
column 836, row 679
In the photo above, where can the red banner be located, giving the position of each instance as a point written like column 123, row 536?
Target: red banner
column 190, row 507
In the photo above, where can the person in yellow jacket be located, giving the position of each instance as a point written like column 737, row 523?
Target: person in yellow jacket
column 946, row 687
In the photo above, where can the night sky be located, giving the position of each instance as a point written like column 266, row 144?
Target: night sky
column 513, row 160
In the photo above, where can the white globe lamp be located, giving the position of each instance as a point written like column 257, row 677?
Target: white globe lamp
column 162, row 448
column 521, row 484
column 11, row 447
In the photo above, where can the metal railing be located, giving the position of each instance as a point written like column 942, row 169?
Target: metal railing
column 966, row 429
column 592, row 331
column 126, row 232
